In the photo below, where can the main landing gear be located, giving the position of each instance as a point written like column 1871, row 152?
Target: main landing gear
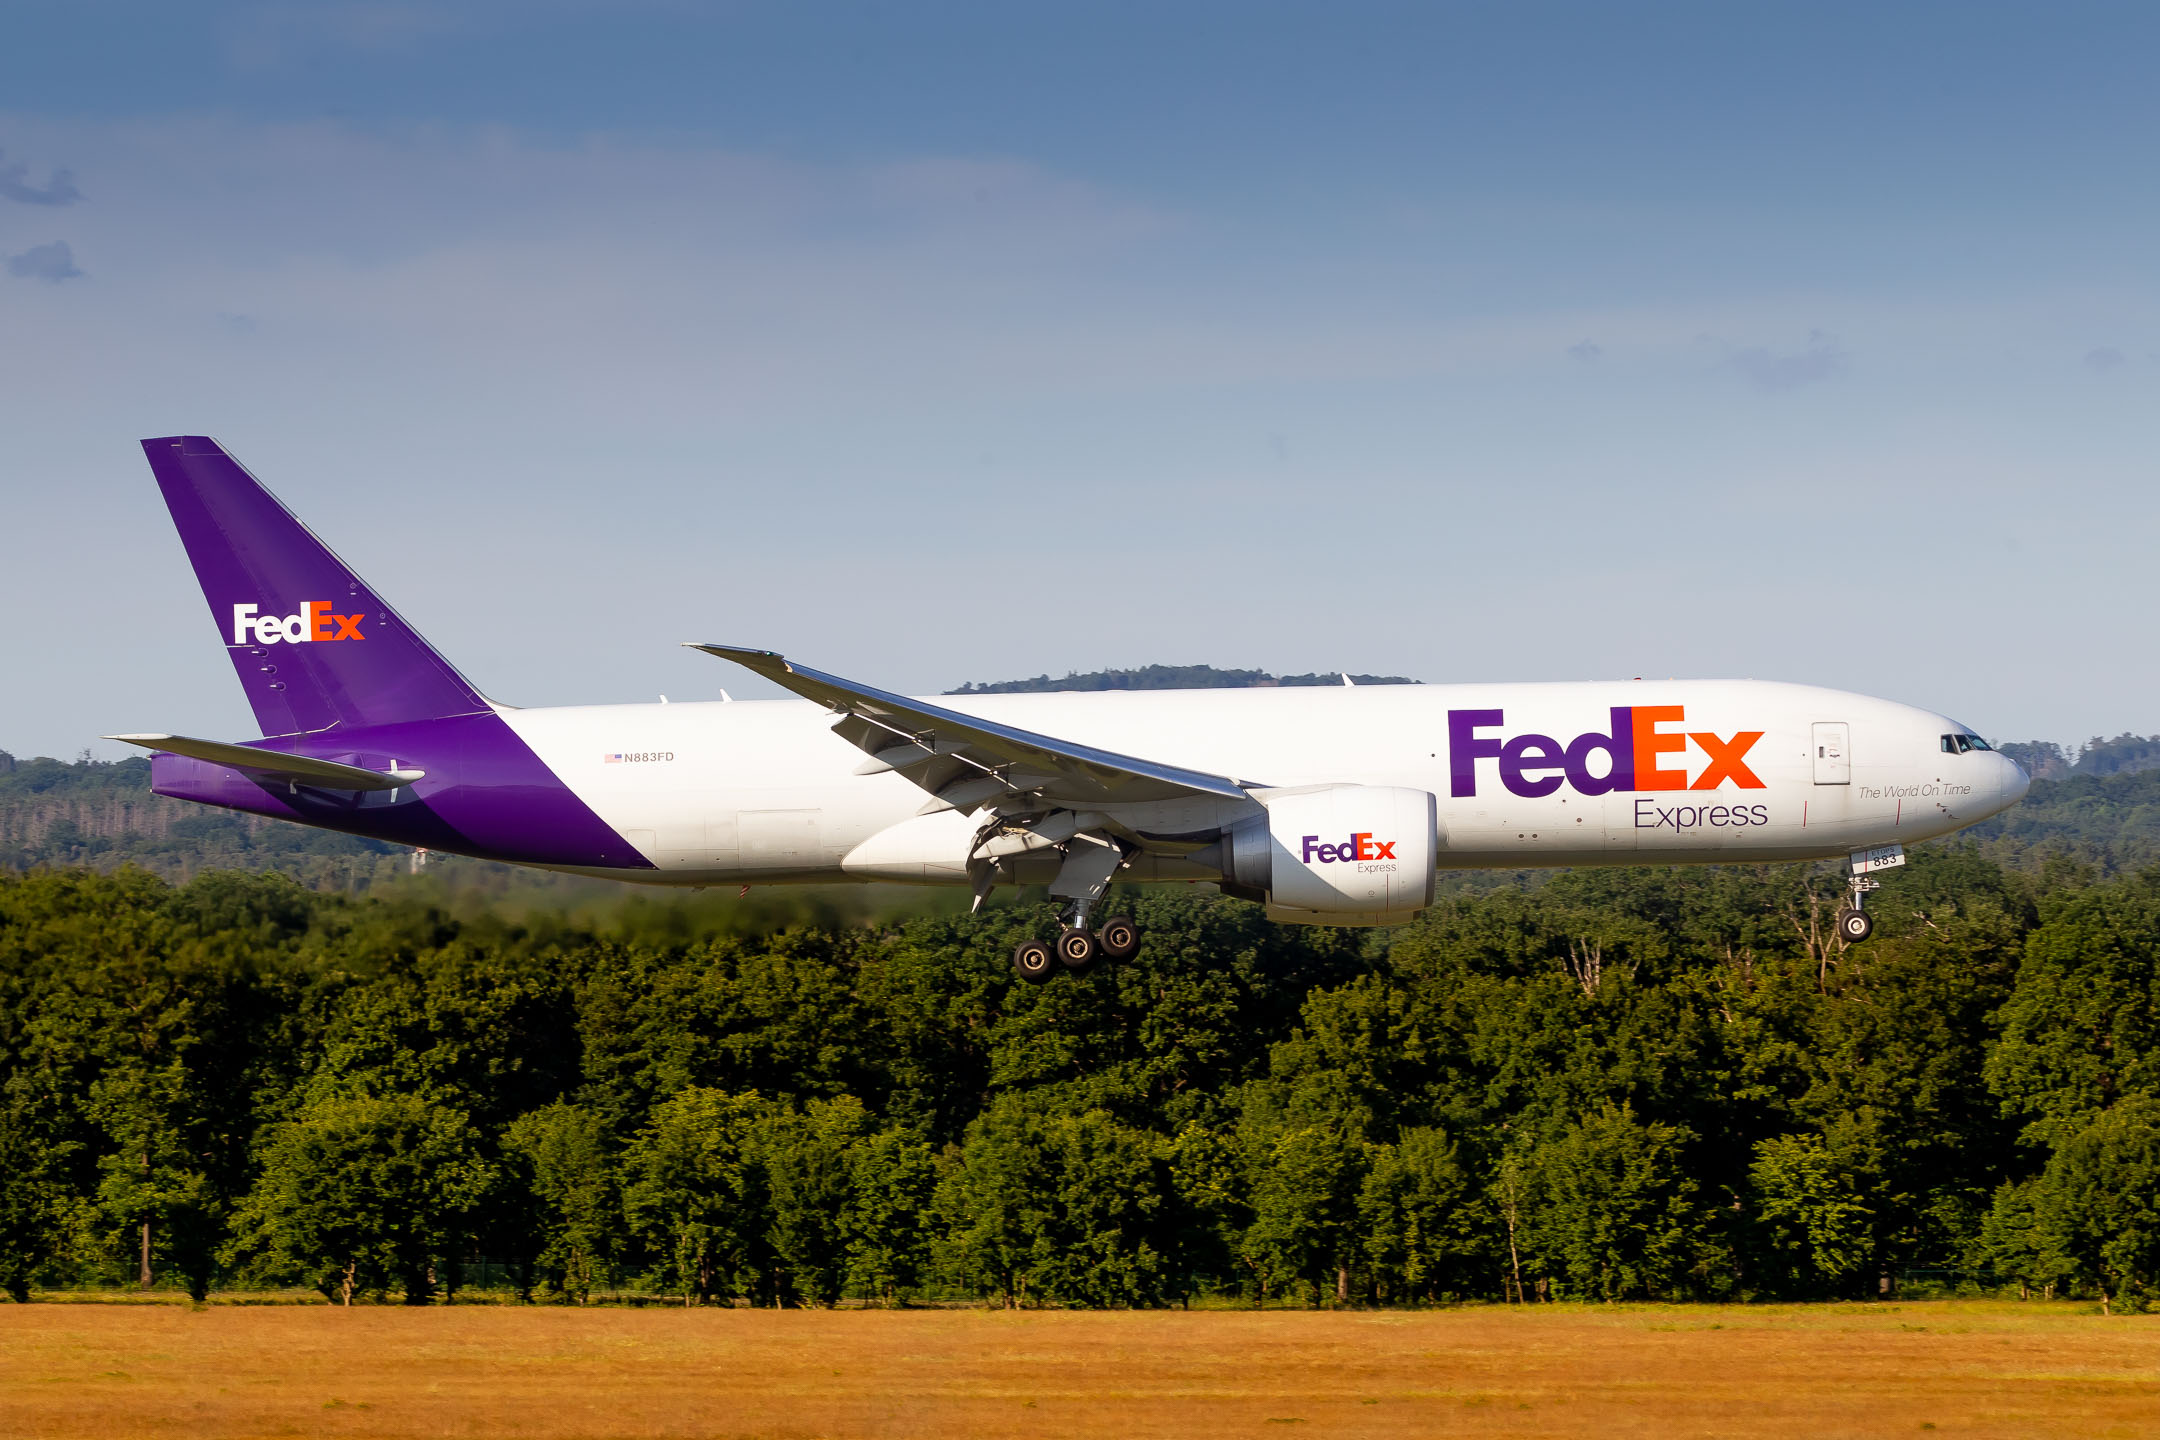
column 1076, row 948
column 1083, row 878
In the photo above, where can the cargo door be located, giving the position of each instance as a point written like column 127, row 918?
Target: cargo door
column 704, row 843
column 1833, row 752
column 779, row 839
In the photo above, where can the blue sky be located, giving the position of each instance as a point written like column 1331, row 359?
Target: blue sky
column 945, row 342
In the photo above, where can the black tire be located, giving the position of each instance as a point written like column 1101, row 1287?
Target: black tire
column 1119, row 937
column 1078, row 949
column 1033, row 962
column 1854, row 926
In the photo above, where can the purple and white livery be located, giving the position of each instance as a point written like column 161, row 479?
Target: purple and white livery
column 1329, row 805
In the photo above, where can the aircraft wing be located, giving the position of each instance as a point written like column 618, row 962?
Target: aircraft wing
column 276, row 765
column 965, row 762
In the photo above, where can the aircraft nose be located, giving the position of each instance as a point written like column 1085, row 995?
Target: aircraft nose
column 2014, row 782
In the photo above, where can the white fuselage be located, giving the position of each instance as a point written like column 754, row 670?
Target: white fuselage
column 763, row 791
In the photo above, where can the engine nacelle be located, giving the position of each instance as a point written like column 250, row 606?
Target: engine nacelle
column 1337, row 854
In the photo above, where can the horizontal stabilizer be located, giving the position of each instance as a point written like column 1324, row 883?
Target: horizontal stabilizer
column 276, row 765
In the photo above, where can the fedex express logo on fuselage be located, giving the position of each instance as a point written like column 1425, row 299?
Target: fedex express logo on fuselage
column 313, row 622
column 1634, row 754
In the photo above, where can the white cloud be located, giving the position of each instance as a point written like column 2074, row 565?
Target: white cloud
column 51, row 263
column 15, row 185
column 1821, row 358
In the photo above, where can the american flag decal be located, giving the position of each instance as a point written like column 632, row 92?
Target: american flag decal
column 615, row 759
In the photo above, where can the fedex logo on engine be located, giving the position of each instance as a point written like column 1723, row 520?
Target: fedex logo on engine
column 312, row 622
column 1633, row 751
column 1360, row 846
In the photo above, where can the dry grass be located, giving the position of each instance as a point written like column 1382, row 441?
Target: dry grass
column 1964, row 1368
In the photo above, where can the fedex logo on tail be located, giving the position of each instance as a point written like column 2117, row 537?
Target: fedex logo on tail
column 312, row 622
column 1633, row 752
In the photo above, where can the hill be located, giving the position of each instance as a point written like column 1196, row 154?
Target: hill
column 101, row 814
column 2126, row 754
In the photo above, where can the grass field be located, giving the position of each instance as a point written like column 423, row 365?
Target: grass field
column 1967, row 1368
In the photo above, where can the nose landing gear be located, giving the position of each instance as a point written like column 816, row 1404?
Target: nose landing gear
column 1853, row 923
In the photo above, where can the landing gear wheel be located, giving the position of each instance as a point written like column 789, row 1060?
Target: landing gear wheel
column 1119, row 937
column 1033, row 962
column 1078, row 949
column 1854, row 926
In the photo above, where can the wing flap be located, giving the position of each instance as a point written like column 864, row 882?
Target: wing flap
column 275, row 764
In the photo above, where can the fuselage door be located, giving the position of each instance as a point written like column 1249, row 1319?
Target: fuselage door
column 1833, row 752
column 779, row 839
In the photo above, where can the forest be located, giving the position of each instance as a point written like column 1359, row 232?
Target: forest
column 1614, row 1084
column 261, row 1057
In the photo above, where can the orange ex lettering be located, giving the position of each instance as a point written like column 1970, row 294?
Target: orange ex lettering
column 1728, row 760
column 1649, row 744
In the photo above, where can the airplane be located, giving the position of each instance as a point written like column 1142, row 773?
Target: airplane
column 1330, row 805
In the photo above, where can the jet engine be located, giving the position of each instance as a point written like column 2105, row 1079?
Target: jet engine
column 1334, row 854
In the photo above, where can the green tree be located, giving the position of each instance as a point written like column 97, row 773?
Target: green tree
column 34, row 1206
column 1428, row 1233
column 1110, row 1212
column 1812, row 1229
column 2081, row 1031
column 1613, row 1213
column 362, row 1192
column 806, row 1157
column 1305, row 1181
column 691, row 1194
column 1047, row 1205
column 1210, row 1208
column 2014, row 1244
column 561, row 1157
column 992, row 1206
column 143, row 1024
column 2098, row 1203
column 892, row 1179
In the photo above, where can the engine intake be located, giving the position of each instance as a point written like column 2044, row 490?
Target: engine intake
column 1335, row 854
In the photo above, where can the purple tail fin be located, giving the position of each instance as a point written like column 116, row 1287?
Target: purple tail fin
column 313, row 644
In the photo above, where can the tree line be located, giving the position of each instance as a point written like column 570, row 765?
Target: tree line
column 1618, row 1084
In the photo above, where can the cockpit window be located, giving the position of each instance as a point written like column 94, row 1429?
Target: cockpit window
column 1959, row 744
column 1976, row 742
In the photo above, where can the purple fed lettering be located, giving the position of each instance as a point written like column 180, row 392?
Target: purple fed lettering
column 1466, row 747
